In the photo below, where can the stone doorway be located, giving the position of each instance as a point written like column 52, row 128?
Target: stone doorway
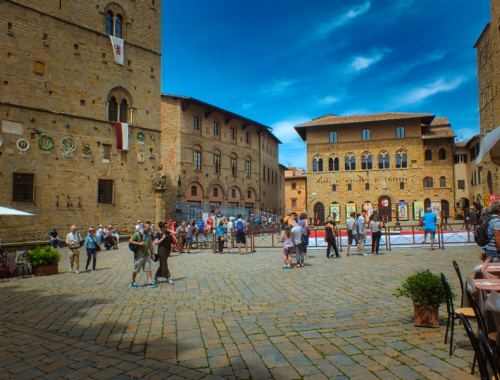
column 319, row 214
column 385, row 208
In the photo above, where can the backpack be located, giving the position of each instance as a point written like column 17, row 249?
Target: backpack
column 481, row 233
column 240, row 225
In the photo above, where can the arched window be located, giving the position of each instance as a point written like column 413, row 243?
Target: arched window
column 401, row 186
column 365, row 134
column 123, row 111
column 383, row 161
column 217, row 162
column 353, row 163
column 248, row 163
column 315, row 165
column 442, row 182
column 366, row 162
column 109, row 23
column 334, row 188
column 400, row 132
column 349, row 187
column 336, row 164
column 112, row 109
column 320, row 165
column 367, row 187
column 428, row 183
column 347, row 163
column 401, row 160
column 330, row 164
column 428, row 155
column 118, row 26
column 442, row 154
column 333, row 137
column 234, row 167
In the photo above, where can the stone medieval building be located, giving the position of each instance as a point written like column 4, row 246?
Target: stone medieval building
column 296, row 190
column 215, row 158
column 79, row 114
column 396, row 163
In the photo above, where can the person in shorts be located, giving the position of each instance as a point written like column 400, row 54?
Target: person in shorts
column 191, row 231
column 352, row 232
column 360, row 231
column 429, row 219
column 143, row 254
column 240, row 233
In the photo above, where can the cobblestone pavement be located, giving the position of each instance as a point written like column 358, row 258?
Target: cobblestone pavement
column 230, row 316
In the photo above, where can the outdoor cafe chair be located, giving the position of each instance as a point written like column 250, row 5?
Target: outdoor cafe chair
column 453, row 313
column 481, row 360
column 22, row 265
column 459, row 275
column 490, row 356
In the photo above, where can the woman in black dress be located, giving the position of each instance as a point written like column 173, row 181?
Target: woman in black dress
column 163, row 239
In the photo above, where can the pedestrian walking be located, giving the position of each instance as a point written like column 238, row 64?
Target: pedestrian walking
column 221, row 230
column 288, row 241
column 163, row 239
column 73, row 241
column 429, row 219
column 304, row 224
column 92, row 248
column 360, row 231
column 352, row 234
column 330, row 238
column 297, row 236
column 230, row 234
column 181, row 234
column 191, row 230
column 376, row 230
column 143, row 254
column 240, row 233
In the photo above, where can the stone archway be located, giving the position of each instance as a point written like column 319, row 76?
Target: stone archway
column 319, row 213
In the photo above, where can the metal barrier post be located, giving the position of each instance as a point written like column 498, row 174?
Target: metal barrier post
column 441, row 240
column 387, row 236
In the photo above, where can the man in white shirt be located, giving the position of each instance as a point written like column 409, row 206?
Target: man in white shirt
column 352, row 232
column 360, row 225
column 73, row 240
column 230, row 234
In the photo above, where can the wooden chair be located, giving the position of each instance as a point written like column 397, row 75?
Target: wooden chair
column 453, row 313
column 481, row 361
column 490, row 357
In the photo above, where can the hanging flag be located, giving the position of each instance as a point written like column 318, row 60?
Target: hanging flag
column 118, row 49
column 121, row 130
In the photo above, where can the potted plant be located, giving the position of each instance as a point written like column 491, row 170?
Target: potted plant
column 427, row 292
column 45, row 261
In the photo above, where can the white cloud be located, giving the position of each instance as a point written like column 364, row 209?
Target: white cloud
column 278, row 86
column 363, row 62
column 441, row 85
column 327, row 100
column 284, row 131
column 327, row 28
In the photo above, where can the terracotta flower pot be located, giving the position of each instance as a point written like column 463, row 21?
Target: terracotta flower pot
column 426, row 317
column 46, row 270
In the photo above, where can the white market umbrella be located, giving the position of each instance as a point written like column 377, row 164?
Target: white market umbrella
column 490, row 143
column 13, row 212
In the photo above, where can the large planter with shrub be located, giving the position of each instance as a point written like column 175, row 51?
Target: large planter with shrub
column 427, row 292
column 45, row 261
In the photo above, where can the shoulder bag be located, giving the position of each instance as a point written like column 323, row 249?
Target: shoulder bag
column 97, row 246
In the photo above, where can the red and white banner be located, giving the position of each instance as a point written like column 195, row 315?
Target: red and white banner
column 118, row 46
column 121, row 130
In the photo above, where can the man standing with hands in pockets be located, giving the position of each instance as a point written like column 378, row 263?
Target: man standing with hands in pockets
column 143, row 254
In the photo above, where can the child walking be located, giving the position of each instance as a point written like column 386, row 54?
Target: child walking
column 288, row 248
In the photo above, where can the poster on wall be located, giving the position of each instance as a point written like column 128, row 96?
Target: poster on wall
column 350, row 207
column 368, row 206
column 436, row 208
column 335, row 209
column 403, row 211
column 418, row 210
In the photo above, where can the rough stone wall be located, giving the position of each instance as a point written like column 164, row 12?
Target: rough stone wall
column 299, row 194
column 179, row 140
column 269, row 187
column 488, row 73
column 381, row 182
column 56, row 75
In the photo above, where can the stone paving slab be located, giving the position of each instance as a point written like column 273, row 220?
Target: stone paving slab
column 231, row 316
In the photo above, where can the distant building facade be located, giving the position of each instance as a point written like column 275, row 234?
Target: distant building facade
column 214, row 157
column 488, row 60
column 296, row 190
column 63, row 89
column 395, row 163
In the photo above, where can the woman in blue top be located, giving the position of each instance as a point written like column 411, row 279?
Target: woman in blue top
column 221, row 230
column 92, row 248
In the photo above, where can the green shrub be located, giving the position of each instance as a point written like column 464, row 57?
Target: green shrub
column 425, row 288
column 43, row 256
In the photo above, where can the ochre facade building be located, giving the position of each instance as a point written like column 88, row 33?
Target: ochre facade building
column 62, row 92
column 296, row 190
column 213, row 157
column 395, row 163
column 488, row 74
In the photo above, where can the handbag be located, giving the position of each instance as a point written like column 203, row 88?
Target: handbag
column 222, row 238
column 303, row 239
column 134, row 247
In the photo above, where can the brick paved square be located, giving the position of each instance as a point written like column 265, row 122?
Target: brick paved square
column 231, row 316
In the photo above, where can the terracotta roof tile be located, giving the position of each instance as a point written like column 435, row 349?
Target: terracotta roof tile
column 440, row 121
column 334, row 120
column 460, row 144
column 437, row 132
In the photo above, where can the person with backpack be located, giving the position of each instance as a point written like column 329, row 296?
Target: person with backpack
column 352, row 232
column 429, row 219
column 240, row 233
column 142, row 254
column 489, row 232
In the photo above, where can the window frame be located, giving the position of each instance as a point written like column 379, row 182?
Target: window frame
column 197, row 160
column 428, row 183
column 332, row 137
column 400, row 132
column 365, row 135
column 22, row 191
column 105, row 191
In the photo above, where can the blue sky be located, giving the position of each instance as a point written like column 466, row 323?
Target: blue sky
column 284, row 62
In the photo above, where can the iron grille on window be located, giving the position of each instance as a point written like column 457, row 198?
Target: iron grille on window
column 23, row 187
column 105, row 191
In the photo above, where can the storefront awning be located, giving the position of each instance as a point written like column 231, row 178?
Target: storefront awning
column 490, row 143
column 13, row 212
